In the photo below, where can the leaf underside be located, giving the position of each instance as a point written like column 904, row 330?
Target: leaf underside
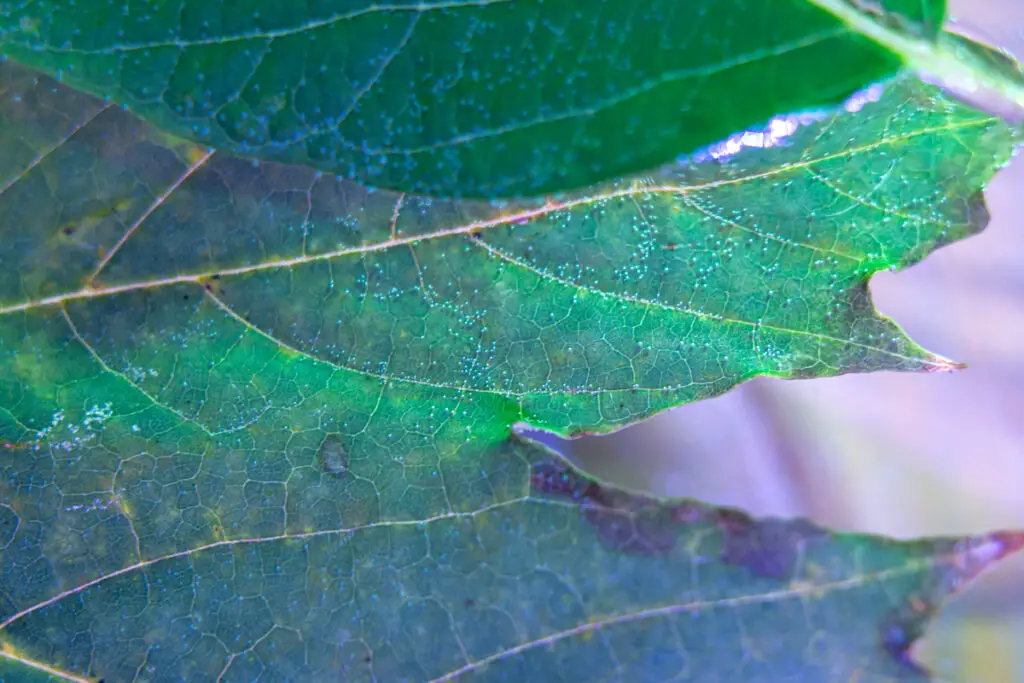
column 467, row 98
column 256, row 420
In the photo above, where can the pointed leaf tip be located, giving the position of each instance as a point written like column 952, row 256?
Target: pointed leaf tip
column 939, row 364
column 975, row 555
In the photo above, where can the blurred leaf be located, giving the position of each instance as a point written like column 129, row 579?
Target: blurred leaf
column 256, row 422
column 474, row 98
column 991, row 79
column 962, row 65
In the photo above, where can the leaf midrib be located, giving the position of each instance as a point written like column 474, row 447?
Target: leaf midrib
column 935, row 363
column 636, row 189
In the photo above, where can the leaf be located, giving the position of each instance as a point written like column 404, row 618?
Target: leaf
column 961, row 65
column 989, row 79
column 570, row 580
column 470, row 98
column 256, row 421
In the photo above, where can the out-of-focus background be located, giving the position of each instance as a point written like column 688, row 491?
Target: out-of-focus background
column 904, row 455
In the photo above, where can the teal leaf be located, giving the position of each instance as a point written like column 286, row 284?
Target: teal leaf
column 257, row 422
column 473, row 98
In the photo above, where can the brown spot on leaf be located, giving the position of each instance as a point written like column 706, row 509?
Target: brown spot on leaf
column 624, row 521
column 640, row 531
column 333, row 456
column 978, row 215
column 636, row 523
column 901, row 628
column 768, row 547
column 556, row 478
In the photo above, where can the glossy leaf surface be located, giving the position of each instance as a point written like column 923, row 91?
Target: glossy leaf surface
column 469, row 98
column 256, row 421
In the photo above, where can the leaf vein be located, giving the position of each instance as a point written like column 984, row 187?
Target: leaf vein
column 797, row 592
column 647, row 303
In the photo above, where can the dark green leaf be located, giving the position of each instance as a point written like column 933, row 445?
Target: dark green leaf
column 474, row 98
column 256, row 421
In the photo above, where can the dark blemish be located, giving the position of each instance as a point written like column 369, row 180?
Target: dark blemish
column 624, row 521
column 554, row 478
column 634, row 523
column 476, row 234
column 768, row 547
column 185, row 297
column 469, row 602
column 977, row 211
column 68, row 230
column 368, row 658
column 216, row 276
column 333, row 455
column 644, row 531
column 901, row 629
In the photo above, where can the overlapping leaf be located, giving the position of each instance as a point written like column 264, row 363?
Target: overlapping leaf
column 466, row 97
column 257, row 420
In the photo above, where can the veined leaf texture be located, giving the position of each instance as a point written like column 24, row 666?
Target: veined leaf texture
column 257, row 419
column 468, row 97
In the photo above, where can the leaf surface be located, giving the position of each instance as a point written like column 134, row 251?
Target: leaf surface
column 256, row 422
column 961, row 65
column 465, row 98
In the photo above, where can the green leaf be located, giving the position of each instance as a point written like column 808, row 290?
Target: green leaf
column 959, row 64
column 258, row 421
column 470, row 98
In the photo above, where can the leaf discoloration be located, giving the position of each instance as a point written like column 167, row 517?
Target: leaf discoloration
column 306, row 390
column 333, row 456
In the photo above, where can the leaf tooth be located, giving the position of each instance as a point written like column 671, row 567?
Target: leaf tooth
column 940, row 364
